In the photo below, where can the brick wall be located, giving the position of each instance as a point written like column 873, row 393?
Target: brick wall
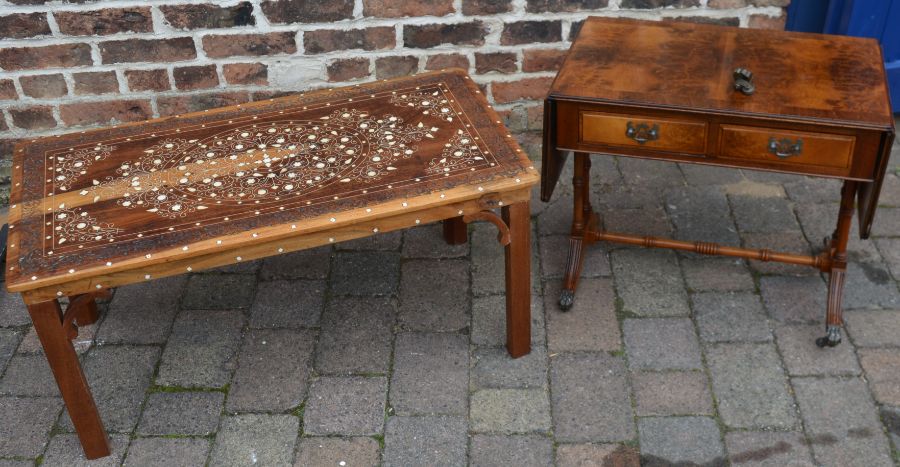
column 83, row 63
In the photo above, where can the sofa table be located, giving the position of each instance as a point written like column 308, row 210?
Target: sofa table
column 135, row 202
column 794, row 103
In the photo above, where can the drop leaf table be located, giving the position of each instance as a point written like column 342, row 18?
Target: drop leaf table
column 135, row 202
column 794, row 103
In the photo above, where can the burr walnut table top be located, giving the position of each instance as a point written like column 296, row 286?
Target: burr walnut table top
column 101, row 208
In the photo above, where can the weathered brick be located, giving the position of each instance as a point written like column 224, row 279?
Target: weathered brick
column 659, row 3
column 49, row 56
column 246, row 73
column 778, row 3
column 95, row 82
column 574, row 29
column 195, row 77
column 543, row 59
column 393, row 67
column 105, row 21
column 767, row 22
column 526, row 32
column 348, row 69
column 680, row 441
column 883, row 370
column 441, row 61
column 105, row 112
column 148, row 80
column 250, row 44
column 395, row 9
column 588, row 454
column 528, row 88
column 3, row 125
column 33, row 118
column 22, row 25
column 432, row 35
column 486, row 7
column 208, row 16
column 725, row 4
column 329, row 40
column 148, row 50
column 7, row 89
column 307, row 11
column 44, row 86
column 503, row 62
column 543, row 6
column 196, row 102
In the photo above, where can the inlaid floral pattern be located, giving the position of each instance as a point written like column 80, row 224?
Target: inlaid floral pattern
column 433, row 103
column 77, row 226
column 459, row 153
column 262, row 163
column 70, row 167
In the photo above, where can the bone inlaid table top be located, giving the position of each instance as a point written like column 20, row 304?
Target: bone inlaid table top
column 135, row 202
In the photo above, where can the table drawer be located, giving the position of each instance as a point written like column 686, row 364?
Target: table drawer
column 686, row 136
column 785, row 147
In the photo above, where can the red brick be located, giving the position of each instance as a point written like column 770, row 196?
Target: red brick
column 264, row 95
column 525, row 89
column 329, row 40
column 33, row 118
column 535, row 116
column 22, row 25
column 307, row 11
column 246, row 73
column 432, row 35
column 392, row 67
column 148, row 80
column 348, row 69
column 208, row 16
column 100, row 82
column 3, row 127
column 250, row 44
column 486, row 7
column 7, row 90
column 195, row 77
column 543, row 60
column 526, row 32
column 441, row 61
column 104, row 22
column 105, row 112
column 502, row 62
column 399, row 9
column 178, row 105
column 44, row 86
column 544, row 6
column 767, row 22
column 148, row 50
column 50, row 56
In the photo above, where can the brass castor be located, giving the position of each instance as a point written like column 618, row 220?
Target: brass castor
column 566, row 299
column 832, row 337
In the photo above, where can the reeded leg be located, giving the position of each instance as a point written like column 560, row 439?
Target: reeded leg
column 47, row 319
column 455, row 231
column 518, row 279
column 834, row 314
column 582, row 217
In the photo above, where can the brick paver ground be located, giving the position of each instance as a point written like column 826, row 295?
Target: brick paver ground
column 389, row 350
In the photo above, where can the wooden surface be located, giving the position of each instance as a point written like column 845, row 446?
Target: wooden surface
column 828, row 91
column 91, row 207
column 682, row 65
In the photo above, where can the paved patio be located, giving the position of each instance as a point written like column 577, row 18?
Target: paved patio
column 389, row 350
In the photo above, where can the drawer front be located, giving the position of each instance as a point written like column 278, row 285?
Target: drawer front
column 783, row 147
column 664, row 134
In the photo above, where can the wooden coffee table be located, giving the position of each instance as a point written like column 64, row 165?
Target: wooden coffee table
column 99, row 209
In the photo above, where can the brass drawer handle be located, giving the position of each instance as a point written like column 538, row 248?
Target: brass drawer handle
column 785, row 148
column 642, row 132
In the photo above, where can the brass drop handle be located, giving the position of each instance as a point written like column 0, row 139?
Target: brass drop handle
column 743, row 81
column 642, row 132
column 784, row 147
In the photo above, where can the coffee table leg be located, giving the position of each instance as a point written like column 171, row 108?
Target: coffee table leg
column 48, row 323
column 834, row 314
column 518, row 279
column 456, row 231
